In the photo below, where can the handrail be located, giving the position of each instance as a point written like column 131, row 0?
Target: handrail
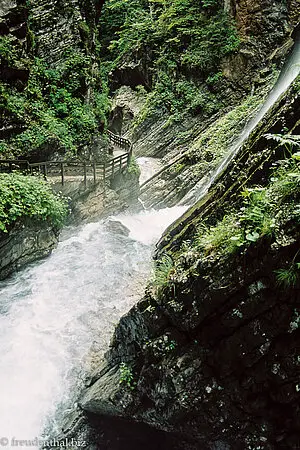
column 163, row 169
column 98, row 170
column 120, row 141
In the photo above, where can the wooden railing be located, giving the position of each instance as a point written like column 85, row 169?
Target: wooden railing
column 120, row 141
column 90, row 171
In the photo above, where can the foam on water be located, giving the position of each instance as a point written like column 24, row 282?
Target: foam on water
column 51, row 313
column 148, row 166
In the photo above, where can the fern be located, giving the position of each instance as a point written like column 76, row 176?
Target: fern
column 288, row 140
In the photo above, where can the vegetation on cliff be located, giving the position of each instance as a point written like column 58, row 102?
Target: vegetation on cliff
column 212, row 350
column 52, row 109
column 174, row 49
column 28, row 197
column 48, row 106
column 52, row 99
column 261, row 213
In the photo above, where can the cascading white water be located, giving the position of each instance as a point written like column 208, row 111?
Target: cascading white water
column 288, row 74
column 149, row 166
column 52, row 311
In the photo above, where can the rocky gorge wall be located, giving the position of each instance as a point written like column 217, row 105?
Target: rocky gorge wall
column 30, row 240
column 203, row 356
column 51, row 93
column 49, row 89
column 211, row 352
column 266, row 31
column 25, row 243
column 99, row 201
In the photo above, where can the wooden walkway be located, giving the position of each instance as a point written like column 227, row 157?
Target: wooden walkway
column 62, row 171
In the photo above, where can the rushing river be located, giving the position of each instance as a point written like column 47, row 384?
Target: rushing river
column 58, row 314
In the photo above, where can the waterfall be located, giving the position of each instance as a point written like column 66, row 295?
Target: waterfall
column 288, row 74
column 149, row 166
column 52, row 311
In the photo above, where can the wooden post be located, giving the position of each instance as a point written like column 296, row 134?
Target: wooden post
column 113, row 168
column 94, row 172
column 129, row 155
column 45, row 171
column 84, row 169
column 104, row 172
column 10, row 167
column 62, row 171
column 104, row 177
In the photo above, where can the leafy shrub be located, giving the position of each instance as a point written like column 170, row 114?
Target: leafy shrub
column 27, row 196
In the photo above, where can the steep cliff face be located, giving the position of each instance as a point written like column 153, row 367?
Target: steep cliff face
column 265, row 30
column 266, row 33
column 51, row 94
column 211, row 352
column 61, row 25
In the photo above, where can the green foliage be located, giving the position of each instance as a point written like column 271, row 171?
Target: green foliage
column 215, row 141
column 7, row 48
column 259, row 216
column 53, row 109
column 162, row 271
column 179, row 37
column 225, row 236
column 126, row 375
column 27, row 196
column 288, row 277
column 287, row 140
column 257, row 213
column 209, row 3
column 133, row 167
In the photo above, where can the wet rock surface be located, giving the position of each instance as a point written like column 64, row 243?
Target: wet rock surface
column 101, row 201
column 24, row 244
column 218, row 363
column 213, row 355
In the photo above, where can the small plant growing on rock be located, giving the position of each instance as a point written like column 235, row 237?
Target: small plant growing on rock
column 258, row 217
column 289, row 276
column 295, row 323
column 163, row 270
column 126, row 375
column 133, row 167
